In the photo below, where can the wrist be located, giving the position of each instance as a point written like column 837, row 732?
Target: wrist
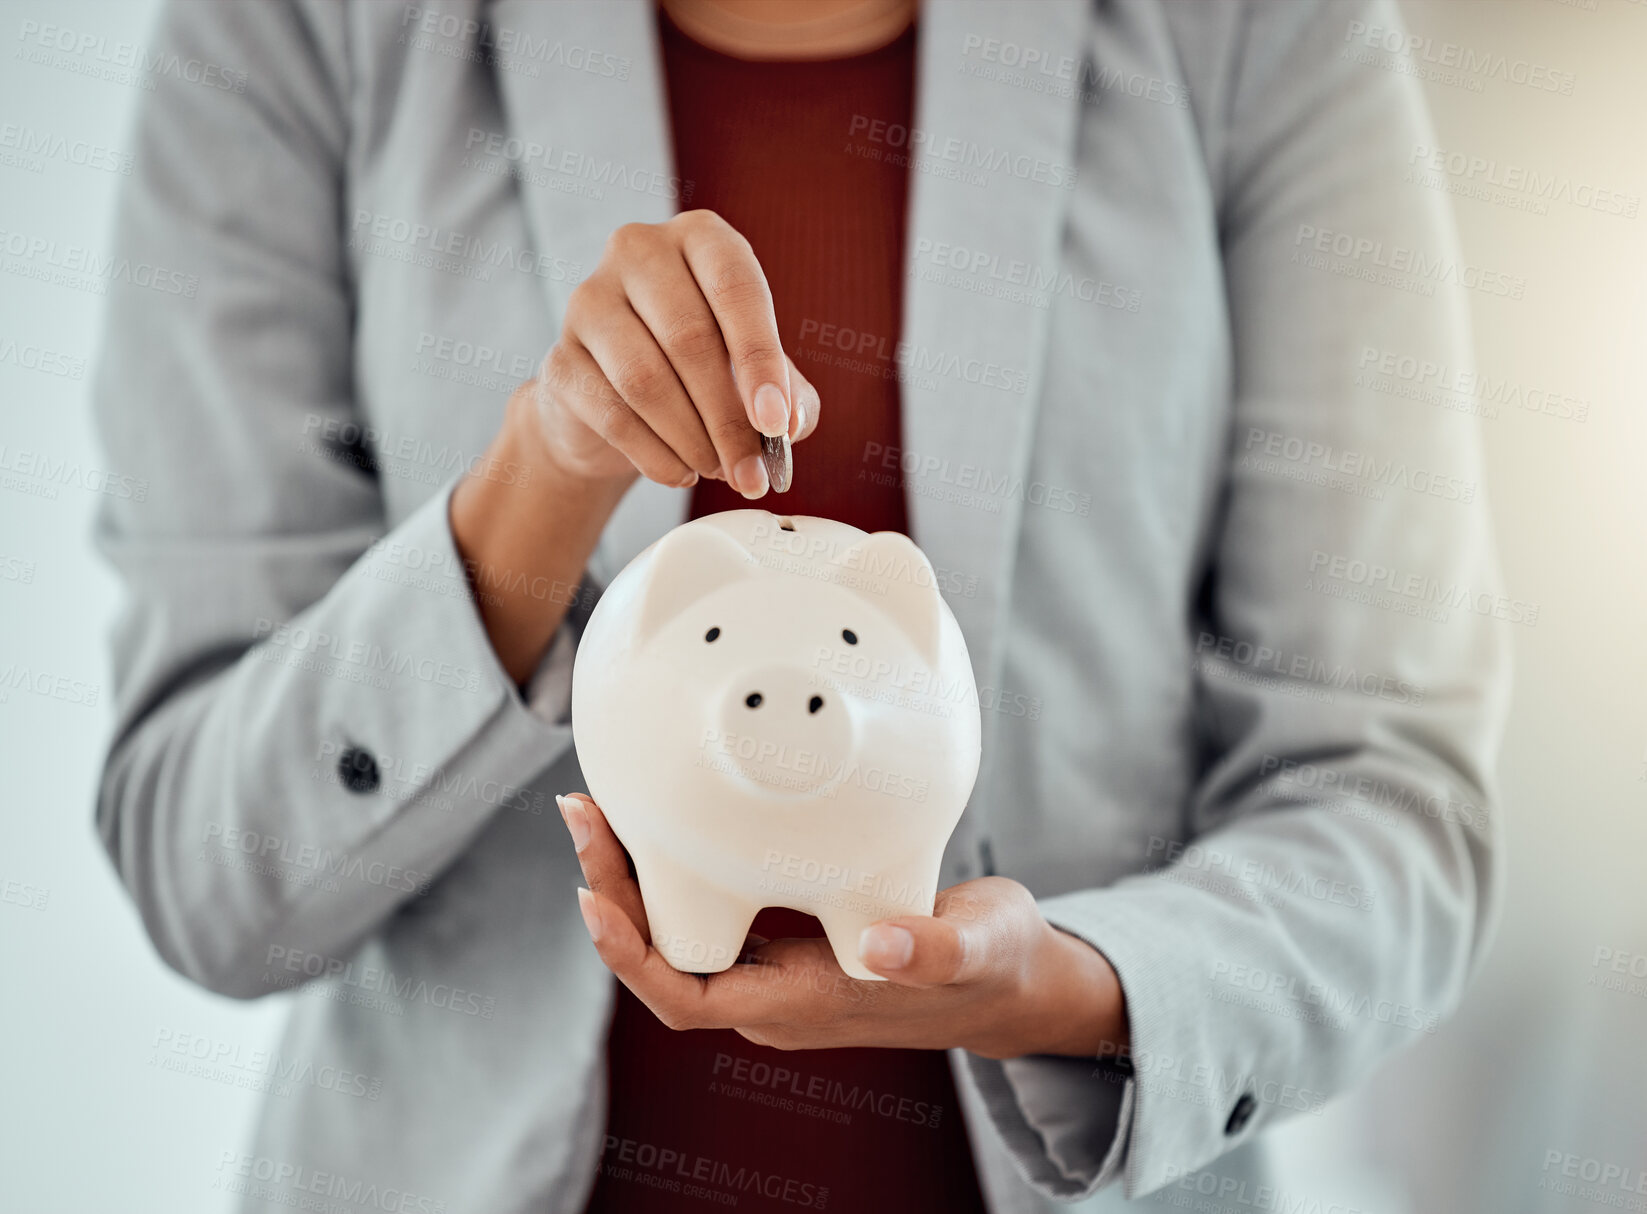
column 1083, row 1011
column 525, row 528
column 516, row 491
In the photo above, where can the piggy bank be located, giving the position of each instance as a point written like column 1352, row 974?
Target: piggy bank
column 776, row 711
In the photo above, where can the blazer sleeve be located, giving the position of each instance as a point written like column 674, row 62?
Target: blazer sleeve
column 1351, row 665
column 310, row 720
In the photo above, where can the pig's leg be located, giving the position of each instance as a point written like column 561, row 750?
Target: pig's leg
column 843, row 927
column 697, row 927
column 914, row 881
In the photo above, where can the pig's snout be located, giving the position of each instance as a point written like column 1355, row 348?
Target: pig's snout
column 785, row 732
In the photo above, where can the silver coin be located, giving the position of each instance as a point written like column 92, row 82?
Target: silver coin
column 780, row 464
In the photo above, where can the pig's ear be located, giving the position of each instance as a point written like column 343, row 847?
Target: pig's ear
column 689, row 563
column 890, row 560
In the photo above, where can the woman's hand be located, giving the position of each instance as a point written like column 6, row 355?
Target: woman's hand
column 669, row 362
column 985, row 972
column 667, row 365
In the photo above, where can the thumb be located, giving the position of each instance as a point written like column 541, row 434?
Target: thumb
column 916, row 950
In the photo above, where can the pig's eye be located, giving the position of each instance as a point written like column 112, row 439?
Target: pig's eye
column 850, row 637
column 711, row 635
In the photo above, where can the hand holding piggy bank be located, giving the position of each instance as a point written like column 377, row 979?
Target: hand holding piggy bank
column 776, row 711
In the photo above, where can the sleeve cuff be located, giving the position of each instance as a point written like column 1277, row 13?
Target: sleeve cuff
column 1073, row 1126
column 450, row 713
column 549, row 693
column 1065, row 1122
column 1191, row 1077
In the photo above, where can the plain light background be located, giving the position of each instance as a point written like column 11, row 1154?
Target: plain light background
column 1543, row 1058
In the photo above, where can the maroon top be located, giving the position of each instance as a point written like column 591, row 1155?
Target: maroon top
column 698, row 1119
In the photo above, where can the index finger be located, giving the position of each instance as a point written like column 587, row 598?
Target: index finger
column 734, row 285
column 603, row 859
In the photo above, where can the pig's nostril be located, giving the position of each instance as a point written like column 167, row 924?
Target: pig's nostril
column 753, row 699
column 815, row 703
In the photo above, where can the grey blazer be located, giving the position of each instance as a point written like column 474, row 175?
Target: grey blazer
column 1187, row 433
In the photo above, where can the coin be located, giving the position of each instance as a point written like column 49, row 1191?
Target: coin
column 780, row 465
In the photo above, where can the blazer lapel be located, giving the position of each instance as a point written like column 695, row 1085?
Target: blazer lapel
column 991, row 182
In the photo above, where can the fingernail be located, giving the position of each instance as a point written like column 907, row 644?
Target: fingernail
column 691, row 479
column 886, row 946
column 577, row 822
column 591, row 913
column 797, row 422
column 749, row 478
column 771, row 410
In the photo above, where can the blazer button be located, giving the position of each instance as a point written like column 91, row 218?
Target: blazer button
column 358, row 770
column 1240, row 1114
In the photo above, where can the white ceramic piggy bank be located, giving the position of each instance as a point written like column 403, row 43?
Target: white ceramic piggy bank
column 776, row 711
